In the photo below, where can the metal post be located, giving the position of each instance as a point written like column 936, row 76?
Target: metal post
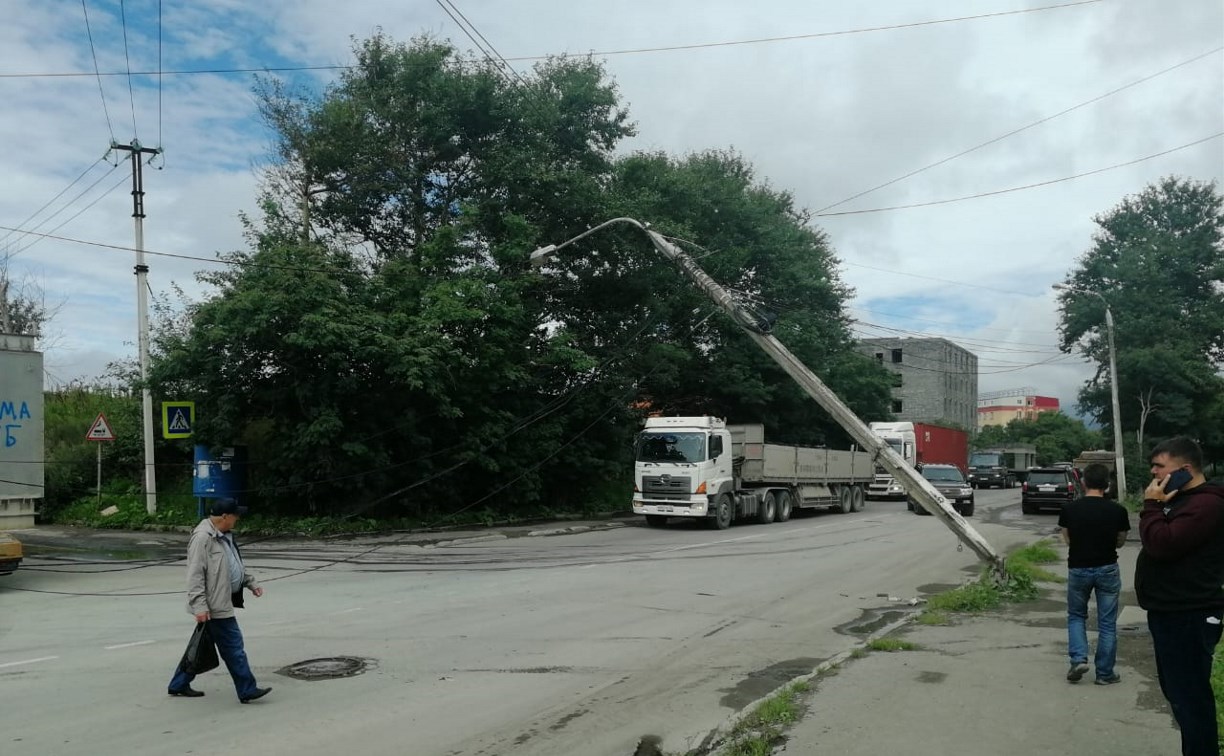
column 1119, row 452
column 142, row 317
column 99, row 447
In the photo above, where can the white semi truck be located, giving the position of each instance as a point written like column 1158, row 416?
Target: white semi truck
column 700, row 467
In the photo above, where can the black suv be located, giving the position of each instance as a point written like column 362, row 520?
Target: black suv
column 949, row 481
column 1053, row 487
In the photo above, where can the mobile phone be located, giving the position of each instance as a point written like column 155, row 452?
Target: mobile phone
column 1177, row 479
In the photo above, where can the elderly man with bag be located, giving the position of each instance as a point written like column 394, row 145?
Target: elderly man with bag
column 215, row 579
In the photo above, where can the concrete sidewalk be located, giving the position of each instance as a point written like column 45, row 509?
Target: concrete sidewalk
column 994, row 684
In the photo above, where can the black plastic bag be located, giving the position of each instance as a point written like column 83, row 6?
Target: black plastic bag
column 201, row 653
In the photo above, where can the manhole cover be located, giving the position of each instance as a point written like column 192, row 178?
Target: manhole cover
column 329, row 668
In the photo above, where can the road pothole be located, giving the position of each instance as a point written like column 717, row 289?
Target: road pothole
column 870, row 621
column 328, row 668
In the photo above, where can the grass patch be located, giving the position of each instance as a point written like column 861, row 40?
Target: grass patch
column 933, row 617
column 1217, row 686
column 984, row 594
column 891, row 645
column 761, row 731
column 858, row 653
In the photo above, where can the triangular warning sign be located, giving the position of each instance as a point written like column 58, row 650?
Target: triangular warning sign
column 100, row 430
column 178, row 421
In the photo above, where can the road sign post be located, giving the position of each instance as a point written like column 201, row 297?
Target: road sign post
column 100, row 431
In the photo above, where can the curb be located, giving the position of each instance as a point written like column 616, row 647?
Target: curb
column 719, row 733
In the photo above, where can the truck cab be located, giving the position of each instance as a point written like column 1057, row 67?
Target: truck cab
column 681, row 464
column 901, row 437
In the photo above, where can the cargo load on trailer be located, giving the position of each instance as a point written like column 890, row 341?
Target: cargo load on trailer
column 918, row 444
column 700, row 467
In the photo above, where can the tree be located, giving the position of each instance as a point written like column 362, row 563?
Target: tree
column 1158, row 259
column 1057, row 437
column 401, row 356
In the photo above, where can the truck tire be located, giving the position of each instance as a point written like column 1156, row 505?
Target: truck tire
column 656, row 521
column 857, row 499
column 784, row 506
column 845, row 500
column 767, row 509
column 723, row 512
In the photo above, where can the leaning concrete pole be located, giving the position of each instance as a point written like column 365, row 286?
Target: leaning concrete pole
column 925, row 494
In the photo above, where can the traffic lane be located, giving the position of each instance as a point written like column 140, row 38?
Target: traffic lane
column 553, row 622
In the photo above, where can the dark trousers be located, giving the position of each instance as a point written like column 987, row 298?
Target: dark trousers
column 228, row 637
column 1185, row 644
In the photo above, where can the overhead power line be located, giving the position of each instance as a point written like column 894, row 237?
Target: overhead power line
column 1024, row 187
column 94, row 51
column 51, row 201
column 594, row 53
column 1024, row 128
column 128, row 61
column 122, row 180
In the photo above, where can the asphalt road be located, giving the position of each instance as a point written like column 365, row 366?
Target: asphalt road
column 573, row 644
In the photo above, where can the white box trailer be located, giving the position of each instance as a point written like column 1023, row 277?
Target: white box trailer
column 699, row 467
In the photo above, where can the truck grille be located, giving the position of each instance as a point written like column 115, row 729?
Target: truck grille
column 667, row 486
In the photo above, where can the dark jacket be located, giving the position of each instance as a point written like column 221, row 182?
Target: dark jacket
column 1181, row 566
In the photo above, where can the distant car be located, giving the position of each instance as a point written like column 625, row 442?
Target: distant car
column 1051, row 487
column 949, row 481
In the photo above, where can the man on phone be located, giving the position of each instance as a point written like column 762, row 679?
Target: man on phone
column 1094, row 528
column 1178, row 581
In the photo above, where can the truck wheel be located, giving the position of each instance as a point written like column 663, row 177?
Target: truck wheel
column 767, row 509
column 722, row 513
column 845, row 500
column 784, row 507
column 857, row 499
column 656, row 521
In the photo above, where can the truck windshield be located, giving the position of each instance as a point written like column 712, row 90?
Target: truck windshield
column 895, row 443
column 671, row 447
column 986, row 460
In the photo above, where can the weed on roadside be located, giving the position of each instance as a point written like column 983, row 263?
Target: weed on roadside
column 891, row 645
column 761, row 731
column 933, row 617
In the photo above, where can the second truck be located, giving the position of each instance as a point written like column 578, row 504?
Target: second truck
column 918, row 444
column 702, row 468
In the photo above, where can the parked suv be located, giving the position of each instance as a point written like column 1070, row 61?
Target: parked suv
column 1053, row 487
column 949, row 481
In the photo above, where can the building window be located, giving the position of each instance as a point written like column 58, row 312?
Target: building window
column 897, row 406
column 896, row 356
column 880, row 357
column 897, row 380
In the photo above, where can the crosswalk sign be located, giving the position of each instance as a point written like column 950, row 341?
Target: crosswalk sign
column 178, row 419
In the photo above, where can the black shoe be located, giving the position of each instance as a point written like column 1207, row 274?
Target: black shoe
column 258, row 694
column 1077, row 672
column 1114, row 678
column 187, row 692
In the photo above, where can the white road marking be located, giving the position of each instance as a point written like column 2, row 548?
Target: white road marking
column 28, row 661
column 128, row 645
column 350, row 611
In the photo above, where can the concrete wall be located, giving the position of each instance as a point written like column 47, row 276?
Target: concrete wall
column 938, row 379
column 21, row 431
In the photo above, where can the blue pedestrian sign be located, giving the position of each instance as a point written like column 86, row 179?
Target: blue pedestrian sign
column 178, row 419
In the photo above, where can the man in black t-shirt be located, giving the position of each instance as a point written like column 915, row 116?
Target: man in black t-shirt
column 1095, row 528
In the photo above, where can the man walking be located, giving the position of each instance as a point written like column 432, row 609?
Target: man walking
column 215, row 579
column 1094, row 528
column 1178, row 580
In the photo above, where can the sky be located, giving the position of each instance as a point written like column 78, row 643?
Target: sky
column 825, row 117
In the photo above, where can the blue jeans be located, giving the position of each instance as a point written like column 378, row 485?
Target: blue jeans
column 1185, row 643
column 1081, row 582
column 228, row 637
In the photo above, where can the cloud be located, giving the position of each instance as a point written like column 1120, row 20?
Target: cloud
column 823, row 118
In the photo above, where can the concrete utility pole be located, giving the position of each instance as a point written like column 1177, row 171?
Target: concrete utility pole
column 142, row 313
column 926, row 494
column 1119, row 451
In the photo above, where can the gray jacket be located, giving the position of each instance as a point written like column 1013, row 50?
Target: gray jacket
column 208, row 577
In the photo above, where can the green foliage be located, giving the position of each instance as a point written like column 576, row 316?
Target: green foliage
column 761, row 731
column 1057, row 437
column 383, row 349
column 1158, row 259
column 933, row 617
column 891, row 645
column 1217, row 687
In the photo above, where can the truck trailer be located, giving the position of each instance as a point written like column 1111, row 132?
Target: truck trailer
column 1001, row 466
column 918, row 444
column 702, row 468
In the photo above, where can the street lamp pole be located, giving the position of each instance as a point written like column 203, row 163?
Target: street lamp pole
column 924, row 492
column 1119, row 452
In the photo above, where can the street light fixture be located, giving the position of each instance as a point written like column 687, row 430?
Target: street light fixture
column 757, row 329
column 1119, row 453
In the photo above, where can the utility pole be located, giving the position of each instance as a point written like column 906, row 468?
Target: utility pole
column 142, row 313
